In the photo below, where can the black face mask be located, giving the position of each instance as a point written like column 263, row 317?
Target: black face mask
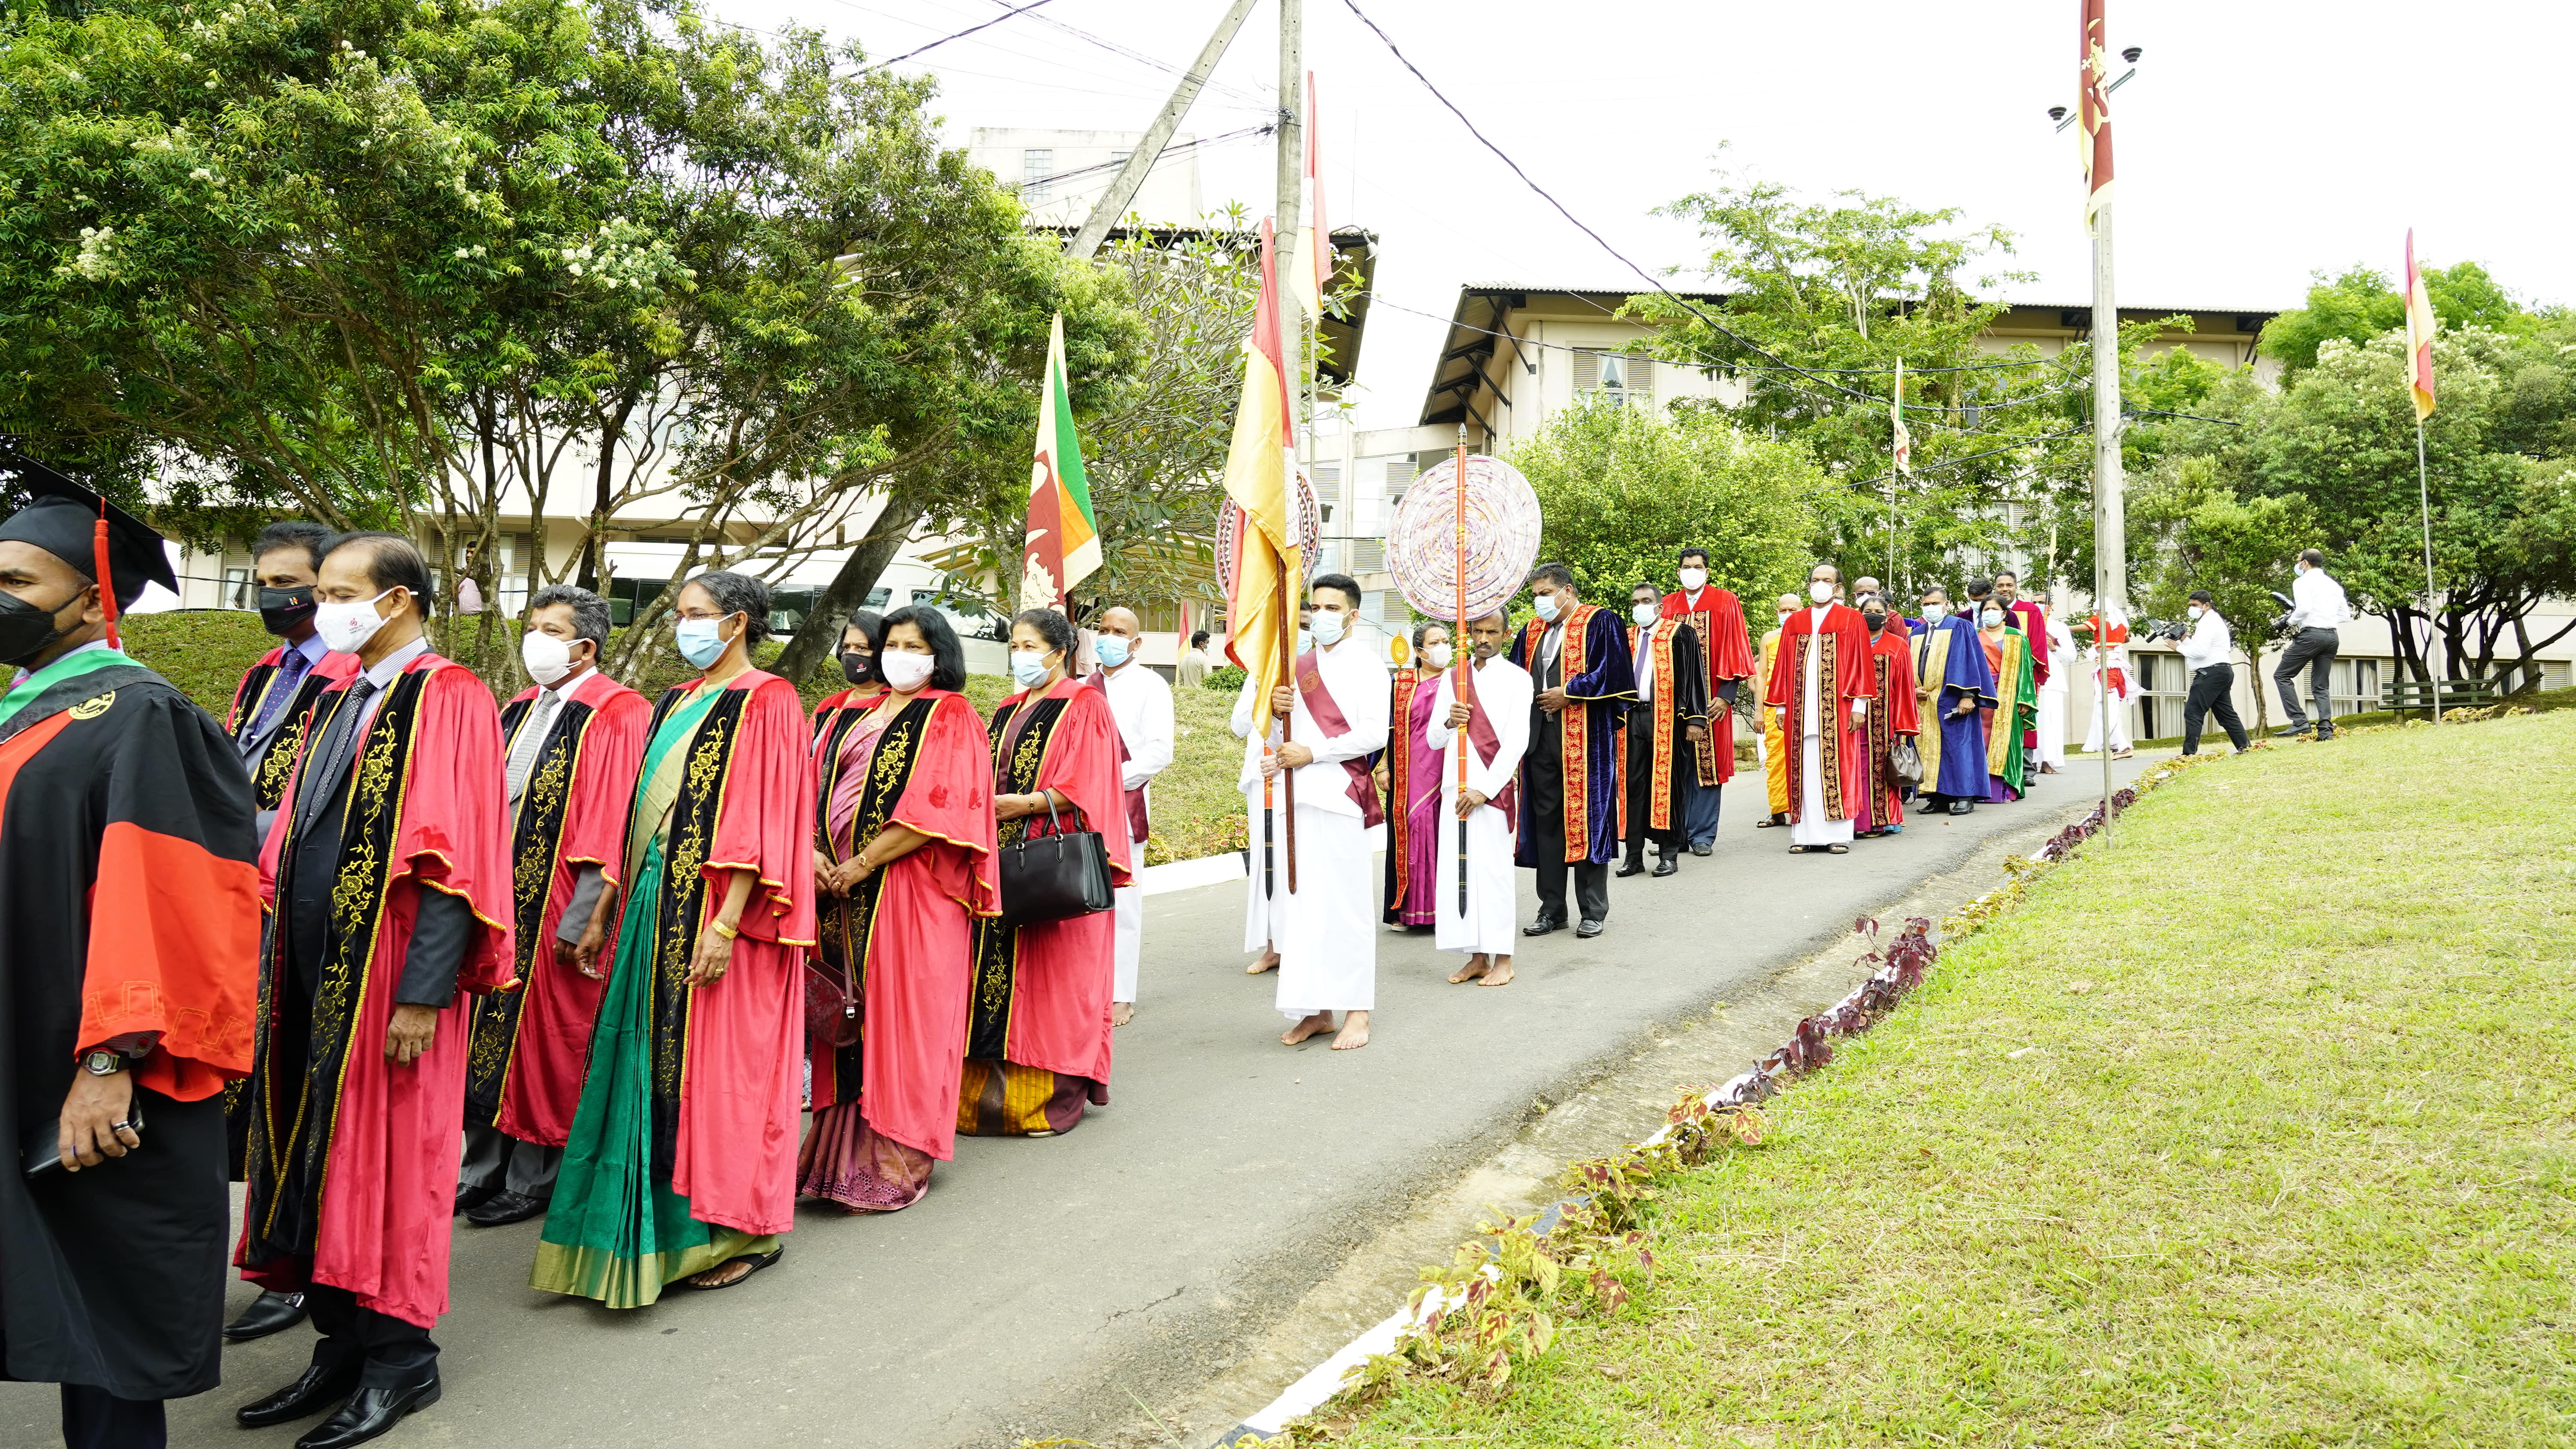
column 283, row 611
column 26, row 630
column 1876, row 622
column 858, row 668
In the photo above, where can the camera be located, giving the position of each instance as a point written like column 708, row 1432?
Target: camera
column 2289, row 606
column 2167, row 629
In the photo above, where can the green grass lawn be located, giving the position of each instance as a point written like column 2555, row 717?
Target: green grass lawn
column 2255, row 1127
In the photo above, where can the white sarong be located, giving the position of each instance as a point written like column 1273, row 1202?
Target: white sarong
column 1326, row 931
column 1130, row 910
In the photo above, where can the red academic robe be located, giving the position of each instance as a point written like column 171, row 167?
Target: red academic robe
column 1060, row 991
column 915, row 931
column 1843, row 674
column 1717, row 616
column 1893, row 714
column 741, row 1089
column 551, row 1047
column 389, row 1183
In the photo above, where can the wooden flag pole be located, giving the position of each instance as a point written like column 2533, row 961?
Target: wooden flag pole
column 1288, row 675
column 1458, row 657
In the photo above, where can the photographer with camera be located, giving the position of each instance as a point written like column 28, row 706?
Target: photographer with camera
column 2317, row 607
column 2213, row 678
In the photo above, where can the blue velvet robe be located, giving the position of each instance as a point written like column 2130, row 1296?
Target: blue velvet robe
column 1597, row 700
column 1961, row 768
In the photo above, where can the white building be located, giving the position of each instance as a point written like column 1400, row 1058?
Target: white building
column 1061, row 174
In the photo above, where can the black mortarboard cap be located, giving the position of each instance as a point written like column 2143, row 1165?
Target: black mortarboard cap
column 61, row 517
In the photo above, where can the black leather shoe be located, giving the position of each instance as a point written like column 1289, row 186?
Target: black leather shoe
column 506, row 1207
column 1542, row 926
column 1633, row 865
column 1665, row 865
column 268, row 1313
column 1962, row 807
column 369, row 1414
column 468, row 1198
column 1702, row 849
column 319, row 1389
column 1588, row 930
column 2290, row 733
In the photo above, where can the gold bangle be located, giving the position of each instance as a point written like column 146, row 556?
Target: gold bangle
column 721, row 929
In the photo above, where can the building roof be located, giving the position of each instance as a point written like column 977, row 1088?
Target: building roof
column 1354, row 252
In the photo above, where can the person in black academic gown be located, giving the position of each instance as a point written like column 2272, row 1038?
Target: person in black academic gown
column 129, row 926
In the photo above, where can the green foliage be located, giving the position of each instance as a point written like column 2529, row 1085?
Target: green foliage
column 1225, row 679
column 2189, row 531
column 2360, row 305
column 1622, row 488
column 202, row 651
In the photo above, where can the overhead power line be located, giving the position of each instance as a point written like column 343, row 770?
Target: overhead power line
column 960, row 35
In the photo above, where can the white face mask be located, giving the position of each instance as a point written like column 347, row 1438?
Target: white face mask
column 1328, row 628
column 1545, row 604
column 548, row 658
column 1644, row 614
column 1694, row 579
column 2195, row 611
column 905, row 670
column 1994, row 618
column 1438, row 656
column 1821, row 591
column 345, row 627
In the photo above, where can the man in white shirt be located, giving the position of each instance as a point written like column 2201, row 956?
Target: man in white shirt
column 1335, row 716
column 1142, row 703
column 2317, row 610
column 2206, row 655
column 1485, row 808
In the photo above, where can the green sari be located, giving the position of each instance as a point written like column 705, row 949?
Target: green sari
column 2017, row 711
column 616, row 1231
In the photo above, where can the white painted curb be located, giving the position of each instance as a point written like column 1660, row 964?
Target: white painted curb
column 1182, row 875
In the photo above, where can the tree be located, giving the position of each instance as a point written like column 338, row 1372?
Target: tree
column 2360, row 305
column 1622, row 488
column 2189, row 531
column 1839, row 292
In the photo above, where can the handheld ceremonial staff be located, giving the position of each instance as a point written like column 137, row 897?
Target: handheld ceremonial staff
column 1235, row 532
column 1461, row 544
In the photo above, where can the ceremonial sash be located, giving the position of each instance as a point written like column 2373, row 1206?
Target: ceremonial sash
column 684, row 784
column 846, row 923
column 1931, row 671
column 1832, row 719
column 1573, row 726
column 1137, row 825
column 1480, row 733
column 538, row 836
column 1320, row 704
column 1717, row 742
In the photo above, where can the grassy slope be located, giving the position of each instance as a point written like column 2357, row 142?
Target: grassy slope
column 2290, row 1158
column 1197, row 809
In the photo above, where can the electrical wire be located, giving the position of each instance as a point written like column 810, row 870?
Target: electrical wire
column 960, row 35
column 1159, row 157
column 1972, row 457
column 1263, row 100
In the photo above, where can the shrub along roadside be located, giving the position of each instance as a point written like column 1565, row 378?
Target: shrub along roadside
column 2248, row 1128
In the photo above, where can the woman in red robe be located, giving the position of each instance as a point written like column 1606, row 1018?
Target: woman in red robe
column 1037, row 1036
column 682, row 1158
column 1892, row 716
column 903, row 866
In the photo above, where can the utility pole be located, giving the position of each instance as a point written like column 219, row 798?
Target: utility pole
column 1131, row 177
column 1289, row 204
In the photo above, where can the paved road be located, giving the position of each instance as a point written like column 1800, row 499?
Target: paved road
column 1041, row 1284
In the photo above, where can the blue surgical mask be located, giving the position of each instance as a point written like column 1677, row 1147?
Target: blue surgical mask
column 1305, row 640
column 1994, row 618
column 701, row 641
column 1327, row 627
column 1545, row 604
column 1028, row 666
column 1110, row 650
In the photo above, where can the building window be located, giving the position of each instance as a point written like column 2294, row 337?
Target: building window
column 2354, row 686
column 1037, row 164
column 1615, row 376
column 239, row 592
column 2163, row 686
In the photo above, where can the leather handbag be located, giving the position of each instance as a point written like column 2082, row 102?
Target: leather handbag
column 1055, row 876
column 831, row 1007
column 1905, row 762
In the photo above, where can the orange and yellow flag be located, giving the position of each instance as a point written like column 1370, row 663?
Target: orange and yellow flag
column 2421, row 324
column 1259, row 463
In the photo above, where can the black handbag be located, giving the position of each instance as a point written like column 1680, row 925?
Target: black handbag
column 1056, row 876
column 1905, row 762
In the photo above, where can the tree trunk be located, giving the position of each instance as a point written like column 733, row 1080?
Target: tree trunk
column 820, row 634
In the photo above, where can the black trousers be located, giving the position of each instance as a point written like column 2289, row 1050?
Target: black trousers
column 2211, row 689
column 1591, row 886
column 93, row 1418
column 394, row 1354
column 1640, row 745
column 2312, row 650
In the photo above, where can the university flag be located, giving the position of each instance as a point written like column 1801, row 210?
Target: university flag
column 1258, row 465
column 2421, row 324
column 2093, row 110
column 1312, row 276
column 1063, row 545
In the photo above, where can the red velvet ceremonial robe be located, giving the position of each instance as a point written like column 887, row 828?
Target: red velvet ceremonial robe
column 1843, row 674
column 425, row 813
column 1044, row 1001
column 906, row 933
column 1717, row 617
column 1893, row 715
column 572, row 813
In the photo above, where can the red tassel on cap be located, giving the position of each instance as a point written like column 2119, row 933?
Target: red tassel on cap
column 106, row 584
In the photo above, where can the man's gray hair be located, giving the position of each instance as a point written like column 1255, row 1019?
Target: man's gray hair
column 590, row 617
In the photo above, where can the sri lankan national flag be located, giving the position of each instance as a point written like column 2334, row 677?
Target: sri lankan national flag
column 1063, row 545
column 1257, row 469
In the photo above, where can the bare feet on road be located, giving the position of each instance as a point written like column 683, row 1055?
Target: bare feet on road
column 1500, row 974
column 1269, row 962
column 1476, row 966
column 1121, row 1012
column 1354, row 1032
column 1315, row 1025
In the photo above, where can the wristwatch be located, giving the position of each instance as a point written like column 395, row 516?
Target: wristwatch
column 103, row 1063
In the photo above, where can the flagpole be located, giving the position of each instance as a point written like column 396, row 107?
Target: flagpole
column 1289, row 175
column 2110, row 511
column 1458, row 657
column 2432, row 613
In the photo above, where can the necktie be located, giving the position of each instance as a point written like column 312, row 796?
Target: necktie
column 281, row 688
column 331, row 759
column 531, row 740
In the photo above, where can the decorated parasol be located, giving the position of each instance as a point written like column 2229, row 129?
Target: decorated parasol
column 1229, row 536
column 1462, row 542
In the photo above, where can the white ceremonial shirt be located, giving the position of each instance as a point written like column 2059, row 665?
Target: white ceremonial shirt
column 2061, row 656
column 1356, row 678
column 1142, row 703
column 1641, row 665
column 2210, row 642
column 1505, row 690
column 2317, row 602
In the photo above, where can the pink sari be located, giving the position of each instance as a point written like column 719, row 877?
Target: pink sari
column 1418, row 817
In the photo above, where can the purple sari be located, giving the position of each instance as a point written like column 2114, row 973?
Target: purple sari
column 1413, row 820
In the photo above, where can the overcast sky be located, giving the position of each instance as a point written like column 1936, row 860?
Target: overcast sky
column 2259, row 143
